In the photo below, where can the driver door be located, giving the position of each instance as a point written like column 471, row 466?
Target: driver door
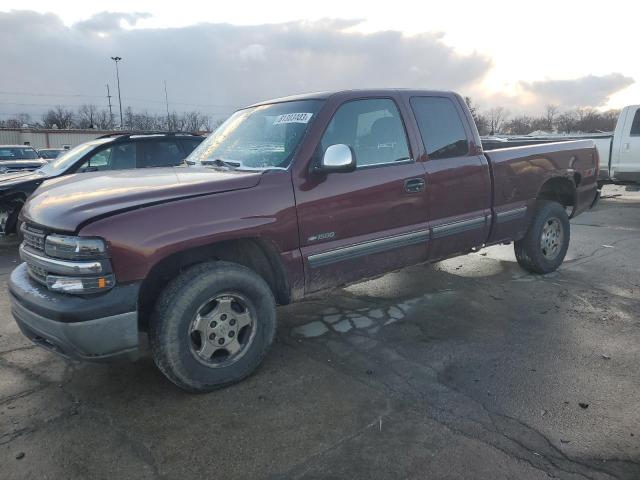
column 369, row 221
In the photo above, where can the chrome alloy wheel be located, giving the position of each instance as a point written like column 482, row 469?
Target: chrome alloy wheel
column 223, row 329
column 552, row 238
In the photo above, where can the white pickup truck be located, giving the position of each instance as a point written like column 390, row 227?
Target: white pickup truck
column 619, row 151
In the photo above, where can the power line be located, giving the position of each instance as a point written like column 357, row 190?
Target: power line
column 128, row 99
column 152, row 108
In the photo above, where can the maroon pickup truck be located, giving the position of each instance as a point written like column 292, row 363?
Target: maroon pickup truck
column 288, row 197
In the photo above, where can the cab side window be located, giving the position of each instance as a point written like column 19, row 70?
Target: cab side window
column 635, row 126
column 372, row 128
column 165, row 153
column 116, row 157
column 190, row 144
column 440, row 126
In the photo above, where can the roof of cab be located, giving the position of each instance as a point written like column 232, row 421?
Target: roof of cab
column 354, row 93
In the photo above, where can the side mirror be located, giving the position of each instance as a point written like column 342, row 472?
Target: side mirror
column 337, row 158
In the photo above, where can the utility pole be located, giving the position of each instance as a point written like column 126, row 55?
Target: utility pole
column 116, row 60
column 110, row 111
column 166, row 99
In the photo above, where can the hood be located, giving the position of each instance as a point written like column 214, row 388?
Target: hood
column 18, row 164
column 66, row 202
column 14, row 178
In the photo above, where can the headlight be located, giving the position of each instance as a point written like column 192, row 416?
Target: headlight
column 80, row 285
column 74, row 248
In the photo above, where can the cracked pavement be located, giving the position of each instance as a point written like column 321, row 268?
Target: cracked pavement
column 469, row 368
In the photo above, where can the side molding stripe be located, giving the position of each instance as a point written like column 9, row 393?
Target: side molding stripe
column 440, row 231
column 509, row 215
column 367, row 248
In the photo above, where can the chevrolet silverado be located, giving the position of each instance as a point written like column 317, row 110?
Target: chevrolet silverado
column 286, row 198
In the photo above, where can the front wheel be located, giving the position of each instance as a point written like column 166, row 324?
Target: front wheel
column 544, row 246
column 9, row 222
column 212, row 326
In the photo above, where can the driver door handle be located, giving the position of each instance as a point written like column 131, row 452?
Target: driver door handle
column 414, row 185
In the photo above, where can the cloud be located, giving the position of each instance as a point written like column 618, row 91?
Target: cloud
column 215, row 67
column 590, row 90
column 253, row 52
column 106, row 22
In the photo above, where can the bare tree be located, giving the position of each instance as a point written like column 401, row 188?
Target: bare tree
column 566, row 122
column 549, row 116
column 86, row 117
column 609, row 120
column 521, row 125
column 58, row 117
column 103, row 120
column 497, row 117
column 482, row 124
column 193, row 121
column 19, row 120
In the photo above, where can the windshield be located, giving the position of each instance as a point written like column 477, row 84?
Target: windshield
column 262, row 137
column 49, row 153
column 66, row 160
column 17, row 153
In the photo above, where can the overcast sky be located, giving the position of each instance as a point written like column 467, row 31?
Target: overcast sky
column 216, row 57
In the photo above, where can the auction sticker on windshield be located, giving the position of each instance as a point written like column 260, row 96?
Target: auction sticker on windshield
column 293, row 118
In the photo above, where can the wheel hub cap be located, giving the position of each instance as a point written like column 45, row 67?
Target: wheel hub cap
column 222, row 330
column 552, row 238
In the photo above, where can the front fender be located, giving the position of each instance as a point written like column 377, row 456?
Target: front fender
column 139, row 239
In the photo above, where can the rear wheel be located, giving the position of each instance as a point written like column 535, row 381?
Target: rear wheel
column 212, row 326
column 543, row 248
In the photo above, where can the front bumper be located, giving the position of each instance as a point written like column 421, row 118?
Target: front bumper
column 94, row 328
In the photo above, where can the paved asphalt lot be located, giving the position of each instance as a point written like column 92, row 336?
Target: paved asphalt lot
column 470, row 368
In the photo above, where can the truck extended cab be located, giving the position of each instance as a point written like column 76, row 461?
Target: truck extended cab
column 286, row 198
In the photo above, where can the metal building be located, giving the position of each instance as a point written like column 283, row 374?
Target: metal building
column 48, row 138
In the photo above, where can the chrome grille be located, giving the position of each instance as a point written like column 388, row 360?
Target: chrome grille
column 37, row 273
column 33, row 238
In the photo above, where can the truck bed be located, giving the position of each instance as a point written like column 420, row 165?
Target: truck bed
column 520, row 173
column 602, row 141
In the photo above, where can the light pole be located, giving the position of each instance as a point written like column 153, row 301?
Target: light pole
column 117, row 59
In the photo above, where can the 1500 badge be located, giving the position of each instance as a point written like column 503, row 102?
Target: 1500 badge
column 322, row 236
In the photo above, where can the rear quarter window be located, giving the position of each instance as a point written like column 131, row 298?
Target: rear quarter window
column 441, row 128
column 635, row 125
column 190, row 144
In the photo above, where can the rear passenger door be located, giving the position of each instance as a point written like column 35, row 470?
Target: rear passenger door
column 365, row 222
column 458, row 179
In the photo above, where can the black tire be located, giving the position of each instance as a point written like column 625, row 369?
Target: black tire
column 531, row 255
column 170, row 335
column 11, row 224
column 19, row 230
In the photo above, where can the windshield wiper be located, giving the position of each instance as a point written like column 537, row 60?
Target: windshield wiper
column 218, row 162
